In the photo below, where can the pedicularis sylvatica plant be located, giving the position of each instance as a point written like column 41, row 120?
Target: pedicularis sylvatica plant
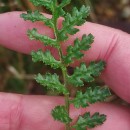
column 81, row 74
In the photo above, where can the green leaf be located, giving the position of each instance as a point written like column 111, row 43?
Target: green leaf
column 87, row 121
column 51, row 82
column 86, row 73
column 59, row 113
column 47, row 3
column 37, row 16
column 45, row 57
column 76, row 18
column 64, row 3
column 57, row 12
column 91, row 96
column 52, row 6
column 75, row 51
column 58, row 8
column 34, row 35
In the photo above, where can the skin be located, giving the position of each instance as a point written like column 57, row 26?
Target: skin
column 23, row 112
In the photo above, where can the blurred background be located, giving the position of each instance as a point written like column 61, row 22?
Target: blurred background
column 17, row 70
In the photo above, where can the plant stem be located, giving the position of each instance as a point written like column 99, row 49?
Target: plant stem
column 64, row 69
column 67, row 104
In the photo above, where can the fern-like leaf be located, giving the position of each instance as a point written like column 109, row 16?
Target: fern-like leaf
column 77, row 18
column 46, row 58
column 87, row 121
column 64, row 3
column 51, row 82
column 59, row 113
column 75, row 51
column 92, row 95
column 34, row 35
column 86, row 73
column 47, row 3
column 37, row 16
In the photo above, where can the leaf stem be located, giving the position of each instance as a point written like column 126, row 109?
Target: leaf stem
column 67, row 104
column 64, row 69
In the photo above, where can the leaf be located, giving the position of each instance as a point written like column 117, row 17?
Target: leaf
column 59, row 113
column 91, row 96
column 85, row 73
column 47, row 3
column 75, row 51
column 76, row 18
column 89, row 121
column 51, row 82
column 33, row 35
column 58, row 8
column 37, row 16
column 52, row 6
column 45, row 57
column 64, row 3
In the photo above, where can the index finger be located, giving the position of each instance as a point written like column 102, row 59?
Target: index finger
column 110, row 45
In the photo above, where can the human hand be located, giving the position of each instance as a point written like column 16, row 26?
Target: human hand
column 33, row 112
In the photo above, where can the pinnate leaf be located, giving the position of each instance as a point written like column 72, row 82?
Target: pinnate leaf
column 34, row 35
column 92, row 95
column 47, row 3
column 46, row 57
column 52, row 6
column 64, row 3
column 59, row 113
column 51, row 82
column 76, row 18
column 87, row 121
column 86, row 73
column 37, row 16
column 59, row 8
column 75, row 51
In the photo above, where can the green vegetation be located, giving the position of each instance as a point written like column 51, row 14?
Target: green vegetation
column 81, row 74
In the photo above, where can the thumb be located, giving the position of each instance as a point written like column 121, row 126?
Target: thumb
column 33, row 112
